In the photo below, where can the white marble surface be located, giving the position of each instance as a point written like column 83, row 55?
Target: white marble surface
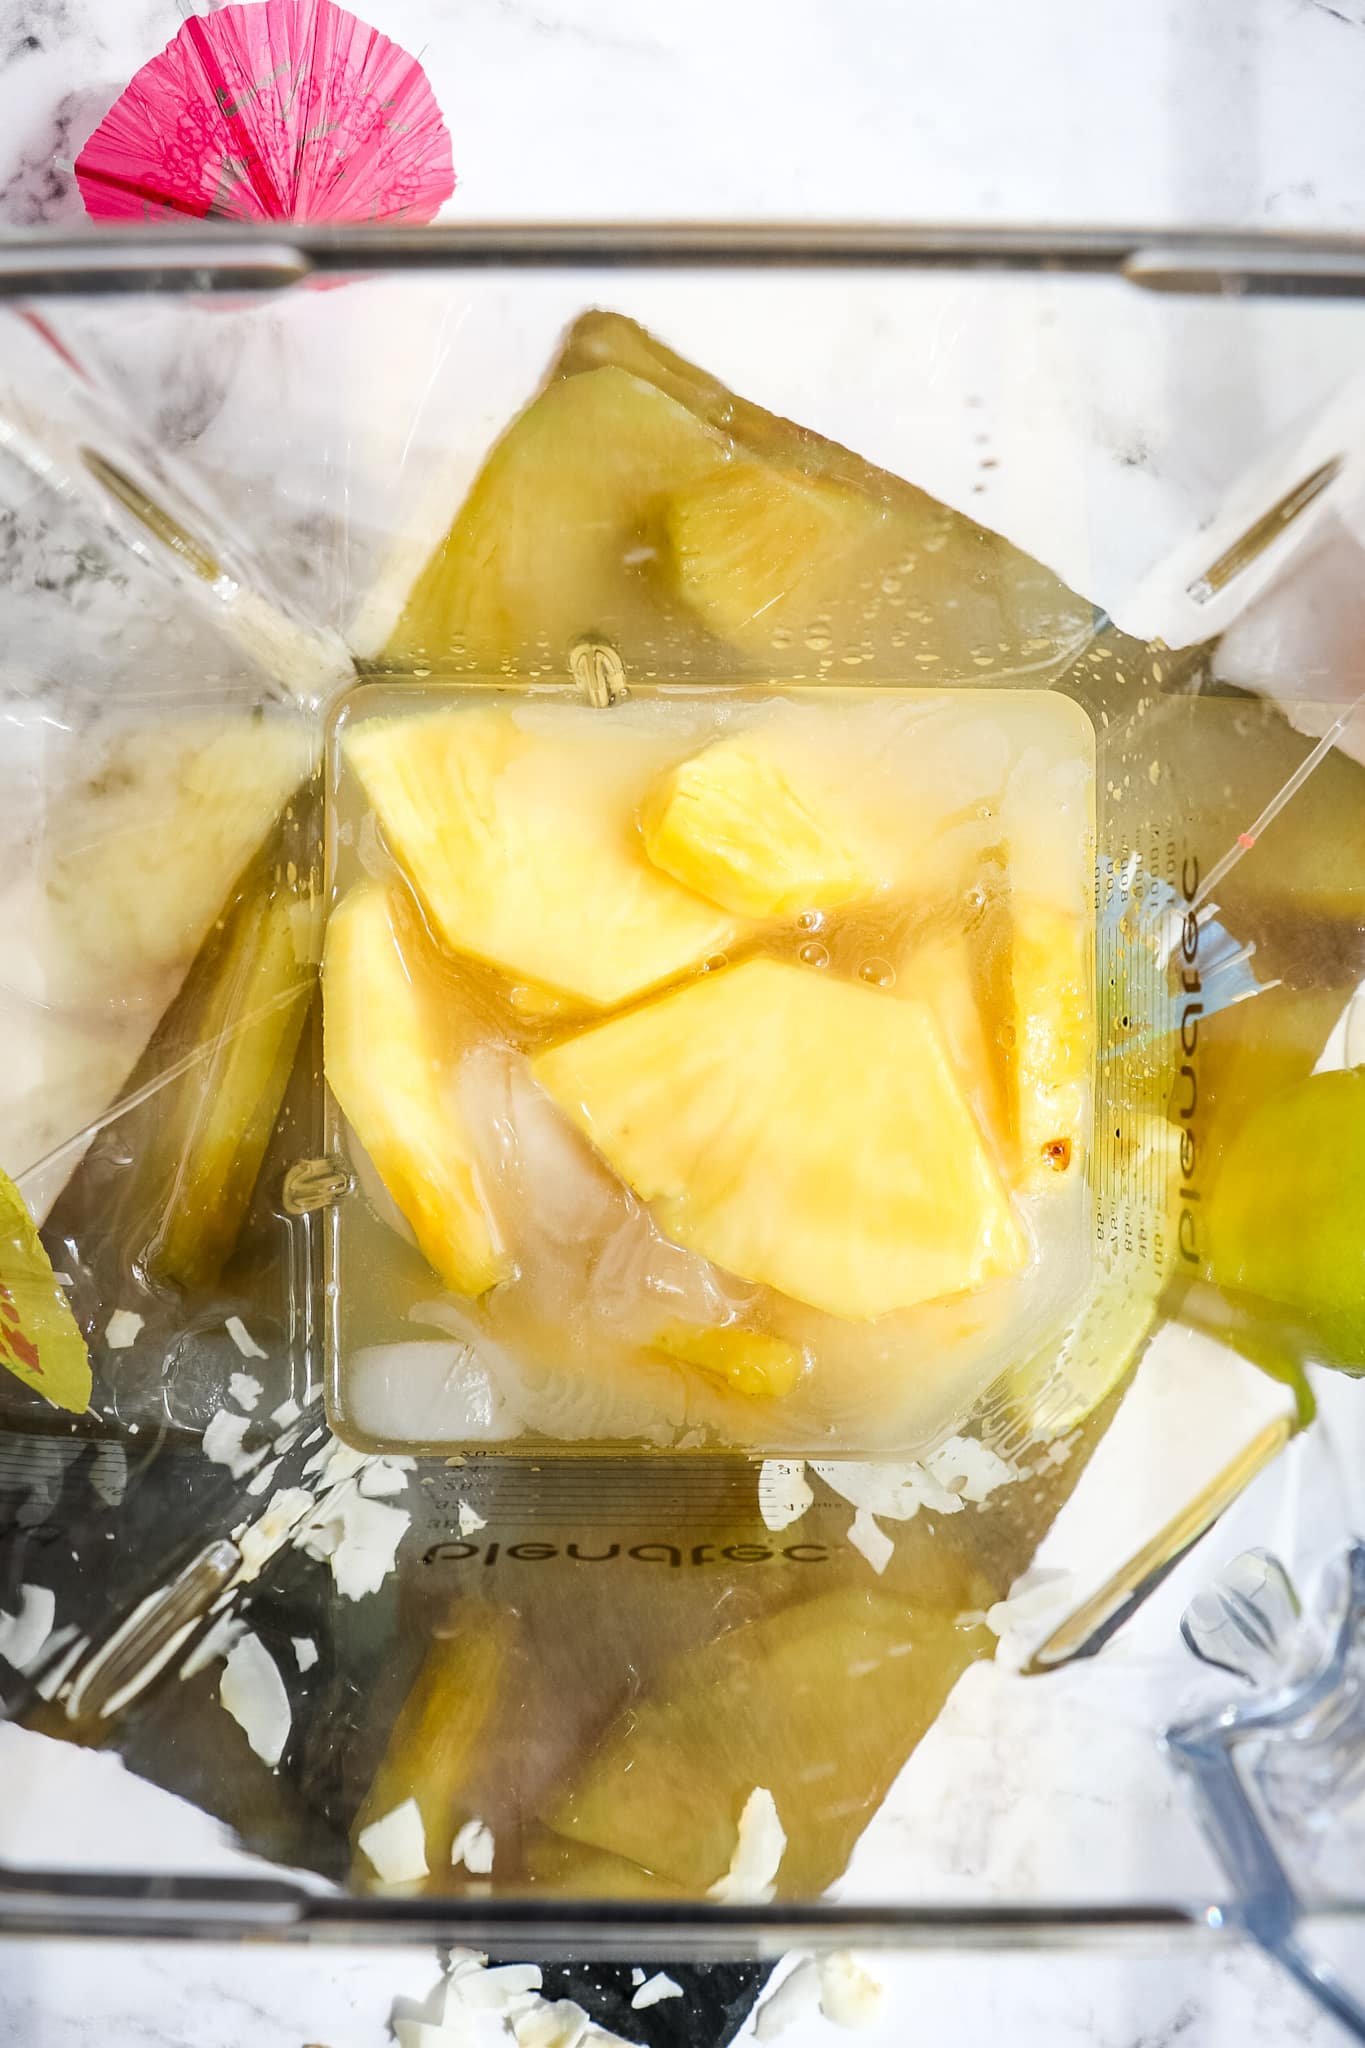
column 1244, row 111
column 1236, row 110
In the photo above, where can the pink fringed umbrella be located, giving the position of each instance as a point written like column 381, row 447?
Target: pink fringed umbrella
column 272, row 110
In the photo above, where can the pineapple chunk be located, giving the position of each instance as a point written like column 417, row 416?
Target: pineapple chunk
column 802, row 1132
column 946, row 973
column 802, row 568
column 200, row 1159
column 820, row 1703
column 757, row 829
column 148, row 848
column 438, row 1739
column 559, row 534
column 754, row 546
column 385, row 1056
column 1053, row 1041
column 519, row 835
column 751, row 1361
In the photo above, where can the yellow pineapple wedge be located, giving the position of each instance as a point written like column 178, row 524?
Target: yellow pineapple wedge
column 801, row 1131
column 148, row 847
column 820, row 1703
column 755, row 826
column 751, row 1361
column 438, row 1740
column 560, row 536
column 754, row 546
column 801, row 550
column 1053, row 1041
column 518, row 831
column 956, row 974
column 800, row 573
column 386, row 1057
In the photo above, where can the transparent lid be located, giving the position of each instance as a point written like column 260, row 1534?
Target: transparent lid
column 787, row 1289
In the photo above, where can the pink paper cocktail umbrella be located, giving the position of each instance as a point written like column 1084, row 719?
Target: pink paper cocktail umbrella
column 272, row 110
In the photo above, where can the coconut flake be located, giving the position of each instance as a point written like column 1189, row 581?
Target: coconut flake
column 264, row 1478
column 895, row 1492
column 243, row 1338
column 1038, row 1596
column 258, row 1541
column 386, row 1476
column 784, row 1492
column 23, row 1633
column 396, row 1845
column 560, row 2024
column 874, row 1543
column 217, row 1640
column 253, row 1693
column 288, row 1412
column 849, row 1994
column 470, row 1520
column 758, row 1853
column 121, row 1330
column 481, row 2008
column 969, row 1468
column 222, row 1442
column 369, row 1547
column 244, row 1389
column 473, row 1846
column 305, row 1652
column 508, row 1989
column 359, row 1538
column 793, row 1999
column 654, row 1990
column 334, row 1461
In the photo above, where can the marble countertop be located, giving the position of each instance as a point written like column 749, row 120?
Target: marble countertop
column 1062, row 110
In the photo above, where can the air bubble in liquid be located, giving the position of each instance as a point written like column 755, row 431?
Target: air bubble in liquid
column 880, row 973
column 810, row 920
column 814, row 954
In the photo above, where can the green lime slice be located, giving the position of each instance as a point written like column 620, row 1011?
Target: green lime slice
column 1286, row 1215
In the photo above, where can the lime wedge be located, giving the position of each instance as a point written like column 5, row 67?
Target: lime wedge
column 1286, row 1216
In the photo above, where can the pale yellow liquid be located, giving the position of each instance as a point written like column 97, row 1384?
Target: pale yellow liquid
column 998, row 786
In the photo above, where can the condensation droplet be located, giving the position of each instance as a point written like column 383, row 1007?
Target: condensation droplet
column 714, row 962
column 880, row 973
